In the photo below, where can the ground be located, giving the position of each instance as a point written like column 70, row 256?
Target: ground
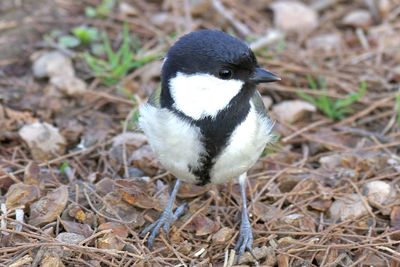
column 78, row 181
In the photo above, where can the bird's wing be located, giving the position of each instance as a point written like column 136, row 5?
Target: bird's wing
column 154, row 98
column 259, row 104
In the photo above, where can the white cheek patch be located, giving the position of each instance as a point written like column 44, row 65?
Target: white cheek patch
column 201, row 95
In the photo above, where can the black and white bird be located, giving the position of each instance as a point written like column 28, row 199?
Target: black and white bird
column 207, row 123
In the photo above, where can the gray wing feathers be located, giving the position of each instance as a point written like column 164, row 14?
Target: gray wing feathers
column 154, row 98
column 259, row 104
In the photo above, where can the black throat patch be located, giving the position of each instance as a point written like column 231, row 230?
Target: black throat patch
column 217, row 131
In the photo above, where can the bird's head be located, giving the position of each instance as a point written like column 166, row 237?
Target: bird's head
column 205, row 69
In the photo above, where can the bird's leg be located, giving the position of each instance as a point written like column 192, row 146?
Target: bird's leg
column 167, row 218
column 245, row 241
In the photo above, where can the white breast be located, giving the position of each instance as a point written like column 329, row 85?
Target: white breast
column 176, row 144
column 245, row 146
column 200, row 95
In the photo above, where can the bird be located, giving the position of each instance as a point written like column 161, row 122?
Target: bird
column 207, row 122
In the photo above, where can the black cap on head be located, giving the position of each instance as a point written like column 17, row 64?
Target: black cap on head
column 210, row 51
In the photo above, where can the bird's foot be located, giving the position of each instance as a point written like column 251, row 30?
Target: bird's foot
column 245, row 241
column 167, row 218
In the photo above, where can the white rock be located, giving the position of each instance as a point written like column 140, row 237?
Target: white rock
column 293, row 16
column 54, row 63
column 326, row 42
column 126, row 9
column 43, row 139
column 348, row 207
column 378, row 192
column 293, row 110
column 70, row 238
column 358, row 18
column 69, row 85
column 330, row 162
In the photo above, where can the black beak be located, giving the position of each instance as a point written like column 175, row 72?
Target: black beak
column 264, row 76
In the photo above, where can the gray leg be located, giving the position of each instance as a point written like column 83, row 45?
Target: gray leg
column 245, row 240
column 167, row 218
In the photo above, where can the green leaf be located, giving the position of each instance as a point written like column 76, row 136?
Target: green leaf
column 86, row 34
column 69, row 41
column 90, row 12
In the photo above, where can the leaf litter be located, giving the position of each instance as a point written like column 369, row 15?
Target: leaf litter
column 78, row 182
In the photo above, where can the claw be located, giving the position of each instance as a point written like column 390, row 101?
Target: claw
column 167, row 218
column 245, row 241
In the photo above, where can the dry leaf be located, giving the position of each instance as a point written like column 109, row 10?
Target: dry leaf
column 77, row 228
column 187, row 190
column 117, row 228
column 223, row 235
column 259, row 253
column 204, row 225
column 110, row 241
column 49, row 207
column 20, row 195
column 51, row 261
column 24, row 261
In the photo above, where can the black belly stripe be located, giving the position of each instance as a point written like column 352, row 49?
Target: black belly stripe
column 216, row 132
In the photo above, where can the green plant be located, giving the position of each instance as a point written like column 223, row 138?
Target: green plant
column 335, row 109
column 85, row 34
column 116, row 64
column 63, row 167
column 102, row 10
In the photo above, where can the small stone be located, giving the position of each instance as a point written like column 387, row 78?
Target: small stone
column 126, row 9
column 326, row 42
column 54, row 63
column 358, row 18
column 70, row 238
column 348, row 207
column 291, row 111
column 379, row 192
column 43, row 139
column 292, row 16
column 69, row 85
column 330, row 162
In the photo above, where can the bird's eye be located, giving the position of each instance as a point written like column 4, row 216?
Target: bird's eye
column 225, row 74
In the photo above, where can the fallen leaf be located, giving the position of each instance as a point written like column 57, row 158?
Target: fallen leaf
column 223, row 235
column 77, row 228
column 287, row 16
column 204, row 225
column 51, row 261
column 110, row 241
column 145, row 159
column 187, row 190
column 32, row 173
column 21, row 195
column 44, row 140
column 117, row 228
column 49, row 207
column 259, row 253
column 24, row 261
